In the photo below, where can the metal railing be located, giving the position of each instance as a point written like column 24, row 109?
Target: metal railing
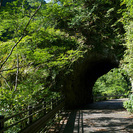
column 98, row 98
column 34, row 118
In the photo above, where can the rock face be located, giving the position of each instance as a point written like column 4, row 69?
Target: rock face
column 77, row 85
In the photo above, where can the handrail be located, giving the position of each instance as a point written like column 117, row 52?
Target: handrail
column 45, row 108
column 22, row 119
column 7, row 118
column 33, row 128
column 98, row 97
column 110, row 96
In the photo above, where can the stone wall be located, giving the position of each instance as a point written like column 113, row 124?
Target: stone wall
column 77, row 85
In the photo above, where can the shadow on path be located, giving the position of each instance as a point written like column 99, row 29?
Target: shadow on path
column 100, row 117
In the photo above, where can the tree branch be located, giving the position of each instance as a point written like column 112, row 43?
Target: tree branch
column 16, row 81
column 31, row 18
column 5, row 81
column 16, row 67
column 11, row 51
column 24, row 34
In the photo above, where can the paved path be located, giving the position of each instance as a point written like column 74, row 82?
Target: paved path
column 100, row 117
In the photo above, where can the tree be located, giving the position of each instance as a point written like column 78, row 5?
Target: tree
column 43, row 43
column 94, row 22
column 112, row 84
column 33, row 49
column 127, row 63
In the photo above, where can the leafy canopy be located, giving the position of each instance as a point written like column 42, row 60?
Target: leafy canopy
column 53, row 38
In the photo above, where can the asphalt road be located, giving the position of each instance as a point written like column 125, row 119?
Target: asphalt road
column 100, row 117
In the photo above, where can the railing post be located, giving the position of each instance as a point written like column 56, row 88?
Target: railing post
column 56, row 101
column 53, row 106
column 30, row 112
column 1, row 123
column 58, row 118
column 60, row 98
column 44, row 112
column 52, row 100
column 44, row 106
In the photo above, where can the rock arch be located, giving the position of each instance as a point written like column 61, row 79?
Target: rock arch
column 77, row 85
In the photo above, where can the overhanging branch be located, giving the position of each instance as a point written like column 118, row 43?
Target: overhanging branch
column 24, row 34
column 5, row 81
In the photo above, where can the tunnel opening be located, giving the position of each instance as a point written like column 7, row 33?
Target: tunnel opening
column 113, row 85
column 77, row 85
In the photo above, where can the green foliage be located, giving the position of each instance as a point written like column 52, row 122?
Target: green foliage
column 94, row 22
column 113, row 83
column 129, row 104
column 127, row 62
column 57, row 36
column 41, row 54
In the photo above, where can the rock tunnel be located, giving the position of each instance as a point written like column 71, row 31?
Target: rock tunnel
column 77, row 85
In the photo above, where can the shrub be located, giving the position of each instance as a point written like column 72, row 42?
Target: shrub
column 129, row 104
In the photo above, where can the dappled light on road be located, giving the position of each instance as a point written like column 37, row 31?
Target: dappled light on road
column 100, row 117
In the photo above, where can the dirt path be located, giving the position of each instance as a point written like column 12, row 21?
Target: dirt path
column 101, row 117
